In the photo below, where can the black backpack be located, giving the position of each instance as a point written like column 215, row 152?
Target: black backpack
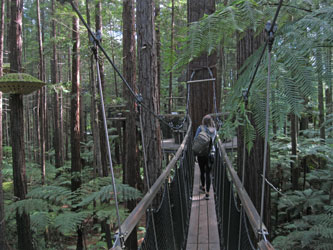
column 202, row 143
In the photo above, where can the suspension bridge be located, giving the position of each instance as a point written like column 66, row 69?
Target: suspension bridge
column 183, row 219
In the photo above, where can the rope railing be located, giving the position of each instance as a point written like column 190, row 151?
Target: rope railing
column 233, row 222
column 172, row 216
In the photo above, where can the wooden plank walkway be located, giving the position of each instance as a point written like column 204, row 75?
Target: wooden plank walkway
column 203, row 231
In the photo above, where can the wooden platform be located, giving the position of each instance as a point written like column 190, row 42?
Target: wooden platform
column 169, row 145
column 203, row 231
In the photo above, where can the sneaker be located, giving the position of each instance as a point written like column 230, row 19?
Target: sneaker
column 202, row 189
column 207, row 196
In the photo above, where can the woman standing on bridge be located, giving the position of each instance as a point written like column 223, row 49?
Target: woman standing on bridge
column 207, row 157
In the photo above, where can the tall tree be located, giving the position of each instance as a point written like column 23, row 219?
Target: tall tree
column 329, row 90
column 131, row 171
column 171, row 53
column 99, row 26
column 57, row 138
column 93, row 109
column 295, row 173
column 2, row 208
column 255, row 158
column 103, row 147
column 158, row 41
column 147, row 60
column 75, row 117
column 42, row 94
column 319, row 69
column 201, row 94
column 17, row 127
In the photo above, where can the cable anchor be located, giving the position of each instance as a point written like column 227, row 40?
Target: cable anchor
column 263, row 233
column 270, row 33
column 245, row 95
column 139, row 99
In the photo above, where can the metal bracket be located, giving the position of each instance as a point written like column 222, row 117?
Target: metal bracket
column 270, row 32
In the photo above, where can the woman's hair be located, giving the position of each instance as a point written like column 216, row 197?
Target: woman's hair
column 208, row 121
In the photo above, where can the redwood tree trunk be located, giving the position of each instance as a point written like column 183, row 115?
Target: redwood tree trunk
column 105, row 226
column 17, row 127
column 2, row 208
column 255, row 159
column 329, row 90
column 201, row 94
column 103, row 147
column 57, row 138
column 42, row 97
column 147, row 59
column 75, row 117
column 93, row 111
column 158, row 42
column 295, row 173
column 171, row 53
column 131, row 172
column 319, row 65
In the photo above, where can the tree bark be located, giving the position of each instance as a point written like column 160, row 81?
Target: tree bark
column 294, row 165
column 254, row 160
column 103, row 147
column 75, row 117
column 93, row 110
column 329, row 90
column 201, row 94
column 158, row 43
column 171, row 53
column 2, row 208
column 42, row 96
column 98, row 22
column 147, row 59
column 131, row 172
column 319, row 64
column 57, row 138
column 17, row 127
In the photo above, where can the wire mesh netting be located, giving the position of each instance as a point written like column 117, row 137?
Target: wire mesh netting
column 232, row 222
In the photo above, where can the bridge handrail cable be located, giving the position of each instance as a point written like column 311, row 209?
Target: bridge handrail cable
column 135, row 216
column 248, row 206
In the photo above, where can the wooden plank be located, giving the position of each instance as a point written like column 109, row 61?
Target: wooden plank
column 192, row 246
column 212, row 220
column 203, row 225
column 204, row 222
column 203, row 246
column 214, row 246
column 192, row 236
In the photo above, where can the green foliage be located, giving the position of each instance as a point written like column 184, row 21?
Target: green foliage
column 206, row 35
column 69, row 221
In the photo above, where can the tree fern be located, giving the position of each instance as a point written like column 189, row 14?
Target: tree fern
column 27, row 206
column 40, row 221
column 106, row 193
column 53, row 194
column 69, row 221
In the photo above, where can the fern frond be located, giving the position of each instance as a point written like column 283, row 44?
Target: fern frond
column 53, row 194
column 68, row 222
column 106, row 193
column 40, row 221
column 27, row 206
